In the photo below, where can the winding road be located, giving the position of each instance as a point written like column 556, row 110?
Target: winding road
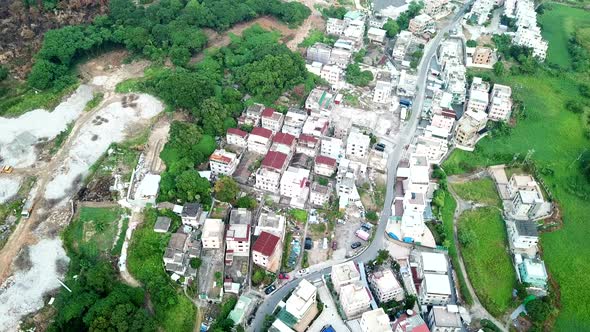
column 404, row 138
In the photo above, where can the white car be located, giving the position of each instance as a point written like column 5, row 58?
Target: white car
column 303, row 272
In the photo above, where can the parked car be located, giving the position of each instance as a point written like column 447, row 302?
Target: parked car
column 355, row 245
column 269, row 289
column 303, row 272
column 334, row 245
column 308, row 243
column 283, row 275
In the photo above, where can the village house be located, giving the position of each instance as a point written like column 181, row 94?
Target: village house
column 523, row 235
column 332, row 147
column 335, row 26
column 406, row 86
column 441, row 125
column 319, row 52
column 269, row 174
column 375, row 321
column 284, row 143
column 445, row 319
column 468, row 128
column 237, row 235
column 403, row 41
column 478, row 95
column 319, row 194
column 344, row 274
column 175, row 257
column 435, row 288
column 162, row 224
column 340, row 57
column 421, row 24
column 212, row 234
column 332, row 74
column 357, row 145
column 259, row 140
column 237, row 137
column 527, row 201
column 385, row 286
column 325, row 166
column 295, row 185
column 251, row 116
column 481, row 57
column 355, row 299
column 409, row 322
column 266, row 251
column 433, row 147
column 308, row 145
column 436, row 8
column 383, row 88
column 294, row 120
column 480, row 11
column 501, row 103
column 376, row 35
column 272, row 120
column 533, row 272
column 300, row 308
column 222, row 162
column 271, row 222
column 319, row 102
column 316, row 126
column 190, row 215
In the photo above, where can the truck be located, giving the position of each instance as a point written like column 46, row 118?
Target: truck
column 6, row 169
column 362, row 234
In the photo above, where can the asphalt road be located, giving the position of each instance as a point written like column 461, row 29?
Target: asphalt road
column 405, row 138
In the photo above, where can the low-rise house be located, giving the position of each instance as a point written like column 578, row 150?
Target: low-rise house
column 284, row 143
column 294, row 120
column 316, row 126
column 319, row 194
column 300, row 308
column 237, row 137
column 383, row 88
column 271, row 222
column 402, row 42
column 357, row 145
column 482, row 57
column 295, row 185
column 175, row 257
column 269, row 174
column 162, row 224
column 223, row 162
column 319, row 102
column 375, row 321
column 478, row 95
column 212, row 234
column 376, row 35
column 267, row 251
column 501, row 103
column 340, row 57
column 421, row 24
column 445, row 319
column 344, row 274
column 308, row 145
column 527, row 201
column 441, row 125
column 523, row 234
column 332, row 147
column 237, row 235
column 433, row 147
column 251, row 116
column 191, row 213
column 355, row 299
column 272, row 120
column 319, row 52
column 325, row 166
column 332, row 74
column 533, row 272
column 335, row 26
column 433, row 263
column 385, row 286
column 436, row 8
column 259, row 140
column 407, row 84
column 241, row 309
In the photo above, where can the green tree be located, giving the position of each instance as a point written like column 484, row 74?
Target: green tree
column 391, row 28
column 499, row 68
column 372, row 216
column 180, row 55
column 539, row 309
column 192, row 187
column 195, row 262
column 467, row 237
column 471, row 43
column 334, row 12
column 3, row 73
column 258, row 276
column 226, row 189
column 438, row 198
column 212, row 116
column 382, row 256
column 355, row 76
column 246, row 202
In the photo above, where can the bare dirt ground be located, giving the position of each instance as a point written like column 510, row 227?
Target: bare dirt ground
column 156, row 141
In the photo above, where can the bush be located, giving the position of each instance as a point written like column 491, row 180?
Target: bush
column 372, row 216
column 247, row 202
column 575, row 106
column 195, row 262
column 3, row 73
column 539, row 309
column 355, row 76
column 471, row 43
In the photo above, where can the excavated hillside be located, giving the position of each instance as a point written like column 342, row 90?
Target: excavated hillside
column 23, row 23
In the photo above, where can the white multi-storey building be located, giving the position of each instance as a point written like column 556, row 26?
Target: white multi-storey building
column 237, row 137
column 501, row 103
column 294, row 120
column 212, row 234
column 269, row 174
column 375, row 321
column 357, row 145
column 354, row 299
column 332, row 147
column 259, row 140
column 295, row 185
column 385, row 286
column 478, row 95
column 272, row 120
column 344, row 274
column 383, row 88
column 223, row 162
column 332, row 74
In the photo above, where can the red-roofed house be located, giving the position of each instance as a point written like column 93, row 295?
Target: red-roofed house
column 267, row 251
column 223, row 162
column 259, row 140
column 284, row 143
column 325, row 166
column 308, row 145
column 272, row 120
column 269, row 174
column 237, row 137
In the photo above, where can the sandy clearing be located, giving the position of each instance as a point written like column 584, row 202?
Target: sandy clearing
column 23, row 292
column 9, row 187
column 19, row 135
column 108, row 125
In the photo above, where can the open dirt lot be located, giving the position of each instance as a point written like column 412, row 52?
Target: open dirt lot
column 212, row 261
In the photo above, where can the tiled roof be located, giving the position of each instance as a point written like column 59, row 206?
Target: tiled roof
column 307, row 138
column 266, row 243
column 259, row 131
column 268, row 112
column 283, row 138
column 236, row 131
column 220, row 158
column 325, row 161
column 274, row 159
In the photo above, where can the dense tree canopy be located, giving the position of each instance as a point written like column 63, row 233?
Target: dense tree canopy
column 226, row 189
column 355, row 76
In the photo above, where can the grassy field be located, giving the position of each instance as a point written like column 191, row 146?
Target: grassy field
column 482, row 191
column 17, row 98
column 486, row 258
column 173, row 310
column 94, row 231
column 558, row 24
column 557, row 137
